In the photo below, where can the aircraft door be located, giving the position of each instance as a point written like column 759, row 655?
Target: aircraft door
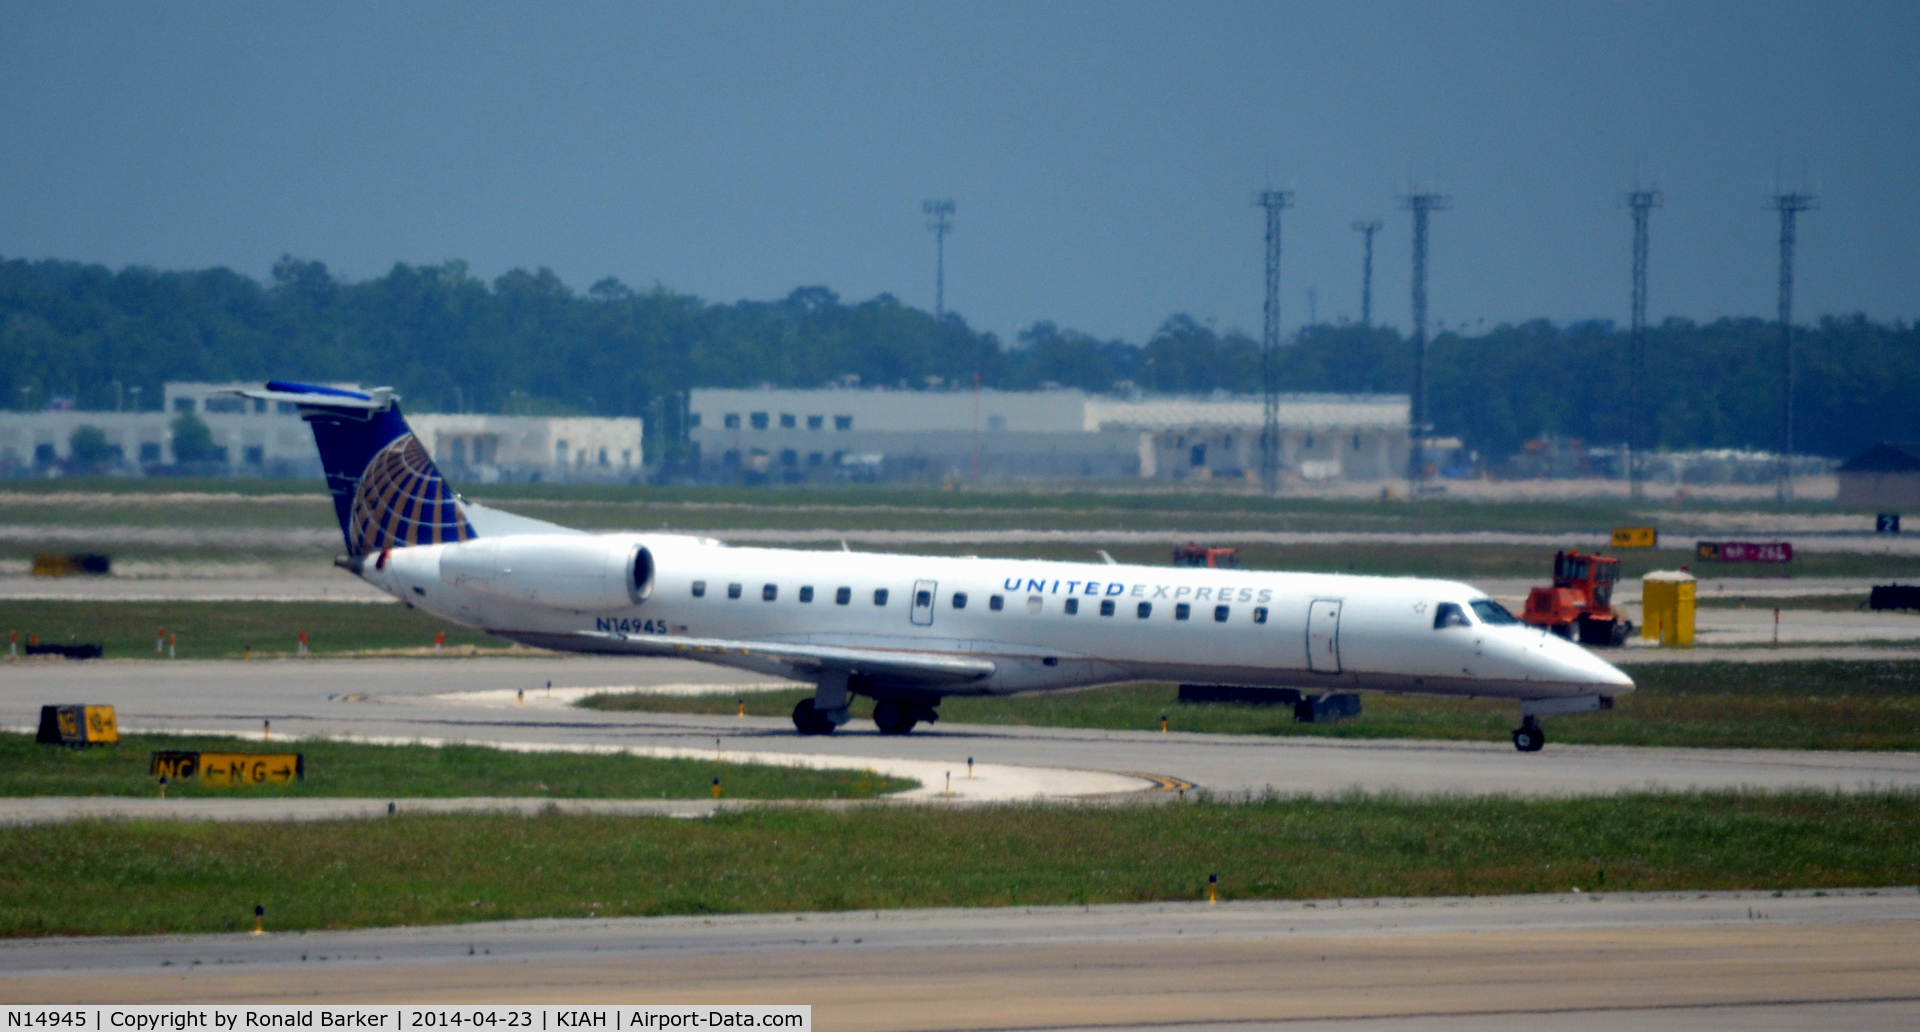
column 1323, row 636
column 922, row 610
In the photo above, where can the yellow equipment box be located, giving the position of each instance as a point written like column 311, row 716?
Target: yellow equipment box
column 77, row 725
column 1666, row 607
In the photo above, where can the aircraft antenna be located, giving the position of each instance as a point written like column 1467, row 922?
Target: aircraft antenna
column 1421, row 204
column 939, row 223
column 1274, row 201
column 1789, row 205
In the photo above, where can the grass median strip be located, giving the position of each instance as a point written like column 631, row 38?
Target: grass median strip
column 130, row 877
column 353, row 769
column 1796, row 705
column 225, row 630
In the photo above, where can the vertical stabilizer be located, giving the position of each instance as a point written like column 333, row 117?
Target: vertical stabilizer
column 386, row 491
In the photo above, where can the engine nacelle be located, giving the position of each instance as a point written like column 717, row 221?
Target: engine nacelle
column 565, row 571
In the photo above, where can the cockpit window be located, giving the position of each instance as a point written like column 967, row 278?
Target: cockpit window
column 1449, row 614
column 1491, row 612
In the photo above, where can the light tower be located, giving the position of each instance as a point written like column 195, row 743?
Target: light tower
column 1368, row 227
column 1421, row 204
column 1789, row 205
column 939, row 223
column 1640, row 202
column 1274, row 201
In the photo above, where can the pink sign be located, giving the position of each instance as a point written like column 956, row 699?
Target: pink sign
column 1755, row 552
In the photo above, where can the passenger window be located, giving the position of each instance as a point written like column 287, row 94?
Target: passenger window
column 1447, row 614
column 1182, row 610
column 879, row 596
column 769, row 593
column 1145, row 610
column 1035, row 603
column 996, row 603
column 1106, row 607
column 733, row 590
column 699, row 589
column 923, row 599
column 843, row 596
column 1259, row 614
column 732, row 420
column 959, row 600
column 806, row 593
column 1073, row 606
column 1219, row 614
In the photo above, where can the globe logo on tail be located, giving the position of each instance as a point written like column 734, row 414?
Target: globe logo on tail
column 401, row 500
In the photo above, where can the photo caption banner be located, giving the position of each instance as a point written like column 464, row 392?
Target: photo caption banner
column 407, row 1018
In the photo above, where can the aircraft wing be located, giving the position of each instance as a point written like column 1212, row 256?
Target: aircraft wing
column 931, row 669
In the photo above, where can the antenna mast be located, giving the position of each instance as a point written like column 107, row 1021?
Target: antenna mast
column 1789, row 205
column 1369, row 227
column 939, row 223
column 1274, row 201
column 1421, row 204
column 1640, row 202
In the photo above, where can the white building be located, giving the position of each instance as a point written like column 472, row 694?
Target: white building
column 817, row 434
column 269, row 439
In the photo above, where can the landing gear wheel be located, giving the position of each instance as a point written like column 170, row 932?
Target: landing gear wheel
column 894, row 718
column 810, row 721
column 1529, row 737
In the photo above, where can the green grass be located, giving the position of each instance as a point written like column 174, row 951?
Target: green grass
column 335, row 769
column 1447, row 561
column 133, row 877
column 1823, row 603
column 223, row 630
column 1792, row 705
column 291, row 502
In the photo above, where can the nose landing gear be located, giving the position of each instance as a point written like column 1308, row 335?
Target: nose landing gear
column 1529, row 737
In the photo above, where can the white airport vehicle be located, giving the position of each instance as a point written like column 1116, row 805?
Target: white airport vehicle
column 908, row 631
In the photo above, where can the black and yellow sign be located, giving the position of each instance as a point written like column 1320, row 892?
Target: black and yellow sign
column 77, row 725
column 229, row 770
column 1635, row 537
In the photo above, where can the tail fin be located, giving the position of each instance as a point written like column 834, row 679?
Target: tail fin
column 386, row 490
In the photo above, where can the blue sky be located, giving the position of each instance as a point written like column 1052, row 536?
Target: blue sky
column 1104, row 157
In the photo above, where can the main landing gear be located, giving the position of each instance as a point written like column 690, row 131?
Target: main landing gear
column 808, row 719
column 1528, row 737
column 891, row 716
column 898, row 716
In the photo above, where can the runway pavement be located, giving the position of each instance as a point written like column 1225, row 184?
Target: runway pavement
column 403, row 699
column 1843, row 960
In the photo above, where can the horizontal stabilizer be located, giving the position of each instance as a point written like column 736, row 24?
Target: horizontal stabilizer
column 922, row 668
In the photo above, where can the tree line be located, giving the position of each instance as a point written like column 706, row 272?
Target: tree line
column 528, row 343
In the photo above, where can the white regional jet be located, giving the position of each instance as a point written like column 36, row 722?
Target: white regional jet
column 908, row 631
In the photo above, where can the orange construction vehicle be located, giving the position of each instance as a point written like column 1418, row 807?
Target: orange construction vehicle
column 1211, row 558
column 1580, row 601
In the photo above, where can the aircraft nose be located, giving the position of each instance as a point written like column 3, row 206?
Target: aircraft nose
column 1557, row 659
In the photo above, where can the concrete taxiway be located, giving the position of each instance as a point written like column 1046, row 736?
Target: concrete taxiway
column 408, row 699
column 1651, row 961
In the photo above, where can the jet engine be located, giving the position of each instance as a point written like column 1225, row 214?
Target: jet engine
column 563, row 571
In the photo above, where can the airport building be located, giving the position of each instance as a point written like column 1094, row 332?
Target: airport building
column 800, row 435
column 1884, row 478
column 259, row 438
